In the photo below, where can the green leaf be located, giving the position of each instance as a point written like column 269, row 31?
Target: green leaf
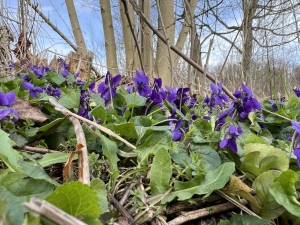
column 157, row 140
column 70, row 99
column 284, row 191
column 270, row 209
column 14, row 206
column 4, row 217
column 126, row 129
column 160, row 172
column 9, row 156
column 53, row 158
column 134, row 100
column 21, row 185
column 53, row 123
column 18, row 139
column 99, row 186
column 252, row 138
column 34, row 170
column 110, row 150
column 200, row 184
column 260, row 157
column 99, row 113
column 77, row 199
column 208, row 154
column 55, row 78
column 247, row 220
column 180, row 155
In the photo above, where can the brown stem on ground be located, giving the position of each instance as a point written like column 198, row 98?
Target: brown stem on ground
column 196, row 214
column 121, row 209
column 34, row 149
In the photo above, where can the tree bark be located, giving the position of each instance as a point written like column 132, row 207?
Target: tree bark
column 146, row 38
column 249, row 8
column 162, row 60
column 132, row 61
column 76, row 27
column 109, row 36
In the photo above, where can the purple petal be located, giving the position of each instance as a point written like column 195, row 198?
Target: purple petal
column 296, row 126
column 11, row 97
column 232, row 145
column 27, row 85
column 247, row 90
column 101, row 87
column 3, row 99
column 214, row 89
column 4, row 113
column 176, row 135
column 116, row 80
column 223, row 143
column 38, row 89
column 33, row 94
column 232, row 130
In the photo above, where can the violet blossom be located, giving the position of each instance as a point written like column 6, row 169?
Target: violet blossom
column 230, row 138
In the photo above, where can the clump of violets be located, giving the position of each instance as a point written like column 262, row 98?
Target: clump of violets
column 33, row 91
column 7, row 100
column 231, row 135
column 296, row 140
column 241, row 106
column 52, row 91
column 108, row 88
column 63, row 68
column 84, row 105
column 142, row 84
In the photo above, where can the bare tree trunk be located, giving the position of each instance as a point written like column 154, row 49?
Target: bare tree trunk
column 76, row 27
column 146, row 38
column 110, row 45
column 132, row 61
column 186, row 28
column 249, row 8
column 162, row 52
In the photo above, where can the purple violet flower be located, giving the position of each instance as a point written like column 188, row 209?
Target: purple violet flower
column 230, row 138
column 33, row 91
column 51, row 91
column 296, row 148
column 142, row 83
column 8, row 113
column 297, row 91
column 7, row 99
column 175, row 130
column 217, row 96
column 108, row 88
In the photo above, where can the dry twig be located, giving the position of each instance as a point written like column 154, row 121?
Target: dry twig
column 52, row 213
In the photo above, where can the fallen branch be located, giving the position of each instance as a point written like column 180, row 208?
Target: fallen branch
column 35, row 149
column 83, row 157
column 196, row 214
column 121, row 209
column 51, row 212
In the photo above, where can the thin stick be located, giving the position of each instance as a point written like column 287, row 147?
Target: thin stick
column 83, row 157
column 37, row 150
column 121, row 209
column 51, row 212
column 132, row 31
column 175, row 49
column 65, row 111
column 200, row 213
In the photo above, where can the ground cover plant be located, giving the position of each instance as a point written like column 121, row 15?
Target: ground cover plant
column 151, row 152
